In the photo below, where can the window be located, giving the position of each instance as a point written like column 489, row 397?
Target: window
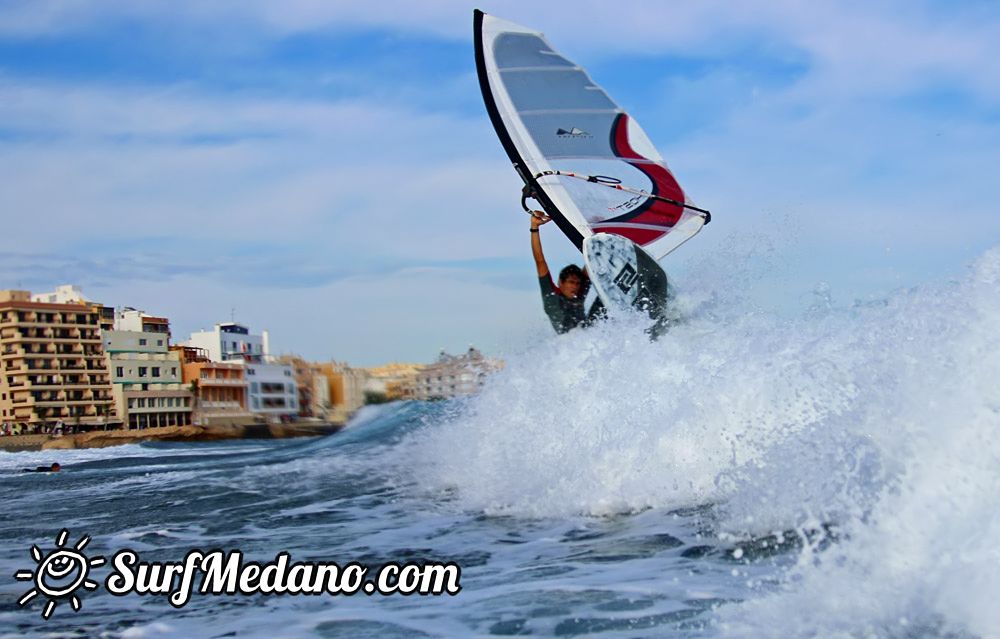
column 288, row 373
column 141, row 402
column 254, row 388
column 173, row 371
column 142, row 341
column 120, row 371
column 156, row 371
column 159, row 342
column 142, row 371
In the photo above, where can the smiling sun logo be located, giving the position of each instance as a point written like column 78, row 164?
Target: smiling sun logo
column 59, row 574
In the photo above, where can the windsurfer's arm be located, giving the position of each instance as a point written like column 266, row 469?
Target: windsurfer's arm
column 537, row 219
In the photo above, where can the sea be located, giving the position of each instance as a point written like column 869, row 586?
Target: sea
column 835, row 473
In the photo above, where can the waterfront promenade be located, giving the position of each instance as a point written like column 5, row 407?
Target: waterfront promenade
column 191, row 433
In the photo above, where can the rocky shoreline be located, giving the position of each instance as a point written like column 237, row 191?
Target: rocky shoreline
column 105, row 438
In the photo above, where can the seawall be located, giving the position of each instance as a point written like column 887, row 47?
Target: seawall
column 104, row 438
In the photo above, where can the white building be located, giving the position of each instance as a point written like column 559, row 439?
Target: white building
column 454, row 375
column 65, row 294
column 271, row 390
column 229, row 342
column 70, row 294
column 147, row 380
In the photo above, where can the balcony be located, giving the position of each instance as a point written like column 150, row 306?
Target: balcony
column 67, row 340
column 55, row 323
column 68, row 355
column 44, row 385
column 41, row 367
column 220, row 405
column 210, row 381
column 76, row 386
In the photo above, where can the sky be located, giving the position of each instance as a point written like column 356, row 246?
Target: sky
column 327, row 171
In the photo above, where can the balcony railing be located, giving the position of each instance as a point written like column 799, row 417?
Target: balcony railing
column 230, row 405
column 213, row 381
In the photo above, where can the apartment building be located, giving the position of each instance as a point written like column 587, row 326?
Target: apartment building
column 229, row 342
column 52, row 364
column 220, row 388
column 149, row 390
column 304, row 375
column 454, row 375
column 271, row 390
column 338, row 390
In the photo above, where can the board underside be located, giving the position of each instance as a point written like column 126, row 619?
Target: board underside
column 624, row 276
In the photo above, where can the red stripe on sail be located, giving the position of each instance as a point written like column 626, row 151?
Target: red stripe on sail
column 639, row 236
column 652, row 212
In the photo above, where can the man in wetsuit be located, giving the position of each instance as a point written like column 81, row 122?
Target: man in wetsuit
column 564, row 303
column 54, row 468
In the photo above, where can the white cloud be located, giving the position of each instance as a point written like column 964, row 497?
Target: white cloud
column 127, row 162
column 853, row 46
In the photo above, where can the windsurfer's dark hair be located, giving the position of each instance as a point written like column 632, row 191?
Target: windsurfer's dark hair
column 571, row 269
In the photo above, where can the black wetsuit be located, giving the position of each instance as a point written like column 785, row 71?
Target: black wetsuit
column 567, row 313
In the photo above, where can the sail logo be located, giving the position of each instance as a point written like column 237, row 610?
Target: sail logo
column 626, row 278
column 572, row 133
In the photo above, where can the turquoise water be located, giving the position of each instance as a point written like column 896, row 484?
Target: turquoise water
column 833, row 475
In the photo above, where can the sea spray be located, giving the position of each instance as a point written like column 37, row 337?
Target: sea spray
column 922, row 559
column 868, row 433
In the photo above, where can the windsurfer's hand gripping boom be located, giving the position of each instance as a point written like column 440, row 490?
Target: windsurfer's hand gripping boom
column 537, row 219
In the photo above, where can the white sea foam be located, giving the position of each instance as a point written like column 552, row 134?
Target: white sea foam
column 881, row 420
column 924, row 560
column 12, row 461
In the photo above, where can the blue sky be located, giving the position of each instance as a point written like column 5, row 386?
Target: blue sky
column 327, row 171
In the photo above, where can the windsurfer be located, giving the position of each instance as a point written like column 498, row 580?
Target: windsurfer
column 563, row 304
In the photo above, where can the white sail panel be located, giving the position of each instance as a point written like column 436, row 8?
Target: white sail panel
column 590, row 164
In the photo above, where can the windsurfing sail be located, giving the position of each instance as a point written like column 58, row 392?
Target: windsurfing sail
column 586, row 161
